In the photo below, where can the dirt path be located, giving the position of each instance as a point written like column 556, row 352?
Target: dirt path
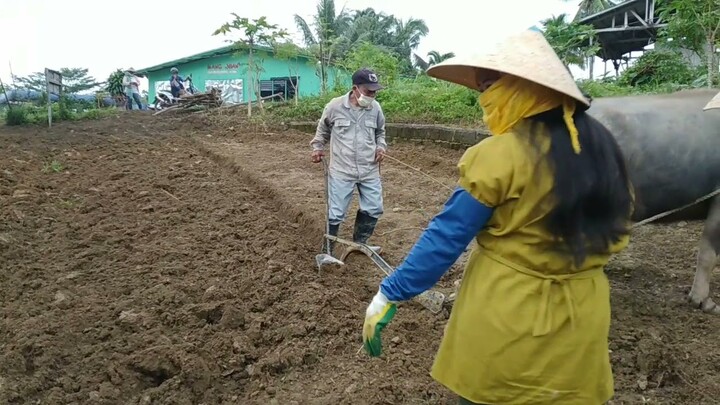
column 145, row 267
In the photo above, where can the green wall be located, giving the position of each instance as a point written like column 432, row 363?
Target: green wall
column 234, row 66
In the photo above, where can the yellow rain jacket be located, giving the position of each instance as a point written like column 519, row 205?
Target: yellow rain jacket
column 525, row 328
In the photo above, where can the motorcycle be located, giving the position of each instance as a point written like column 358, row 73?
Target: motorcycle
column 165, row 99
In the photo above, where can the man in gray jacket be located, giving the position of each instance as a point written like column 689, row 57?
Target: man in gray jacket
column 354, row 126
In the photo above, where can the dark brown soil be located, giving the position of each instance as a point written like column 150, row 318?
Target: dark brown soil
column 172, row 262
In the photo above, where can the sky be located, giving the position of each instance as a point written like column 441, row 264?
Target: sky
column 103, row 36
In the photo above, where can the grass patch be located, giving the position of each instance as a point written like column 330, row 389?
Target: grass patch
column 421, row 101
column 53, row 167
column 31, row 114
column 424, row 100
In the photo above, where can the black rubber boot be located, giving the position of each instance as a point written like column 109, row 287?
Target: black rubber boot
column 334, row 232
column 364, row 227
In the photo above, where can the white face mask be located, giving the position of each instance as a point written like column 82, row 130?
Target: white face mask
column 364, row 100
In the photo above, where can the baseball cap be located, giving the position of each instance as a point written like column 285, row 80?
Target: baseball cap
column 367, row 77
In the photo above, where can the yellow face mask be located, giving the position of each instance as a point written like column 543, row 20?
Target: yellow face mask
column 512, row 99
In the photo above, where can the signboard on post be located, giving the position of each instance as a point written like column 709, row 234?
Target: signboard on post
column 53, row 80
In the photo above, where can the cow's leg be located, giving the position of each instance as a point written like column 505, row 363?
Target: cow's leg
column 706, row 259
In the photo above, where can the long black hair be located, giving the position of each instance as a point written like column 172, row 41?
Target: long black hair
column 591, row 190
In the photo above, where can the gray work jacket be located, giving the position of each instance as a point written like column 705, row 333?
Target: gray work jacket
column 354, row 134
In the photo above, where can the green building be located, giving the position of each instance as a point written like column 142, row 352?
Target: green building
column 226, row 68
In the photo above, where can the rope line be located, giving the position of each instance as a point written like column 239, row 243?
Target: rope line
column 666, row 213
column 635, row 225
column 419, row 171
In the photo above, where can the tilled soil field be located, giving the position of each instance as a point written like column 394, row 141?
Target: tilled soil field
column 148, row 261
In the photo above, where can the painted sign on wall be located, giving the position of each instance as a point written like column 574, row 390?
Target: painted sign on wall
column 223, row 68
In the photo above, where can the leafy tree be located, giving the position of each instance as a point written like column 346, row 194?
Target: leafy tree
column 570, row 40
column 254, row 33
column 323, row 41
column 34, row 81
column 384, row 63
column 75, row 80
column 655, row 68
column 296, row 57
column 385, row 31
column 694, row 25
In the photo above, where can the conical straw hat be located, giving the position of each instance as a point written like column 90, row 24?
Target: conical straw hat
column 714, row 103
column 527, row 55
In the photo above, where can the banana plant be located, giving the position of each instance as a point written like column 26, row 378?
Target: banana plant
column 114, row 86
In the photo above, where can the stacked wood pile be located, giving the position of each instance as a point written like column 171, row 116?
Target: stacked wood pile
column 209, row 99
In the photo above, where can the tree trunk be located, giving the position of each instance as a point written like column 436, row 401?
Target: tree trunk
column 250, row 76
column 322, row 68
column 295, row 88
column 710, row 61
column 713, row 60
column 258, row 91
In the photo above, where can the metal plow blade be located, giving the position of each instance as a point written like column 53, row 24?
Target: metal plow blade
column 432, row 300
column 324, row 259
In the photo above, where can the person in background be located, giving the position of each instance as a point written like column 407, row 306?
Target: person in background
column 354, row 125
column 131, row 82
column 548, row 200
column 177, row 86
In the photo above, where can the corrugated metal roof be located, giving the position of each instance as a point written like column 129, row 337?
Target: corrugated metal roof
column 608, row 12
column 200, row 56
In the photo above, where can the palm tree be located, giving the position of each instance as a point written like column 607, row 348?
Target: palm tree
column 570, row 40
column 369, row 26
column 407, row 37
column 434, row 57
column 336, row 33
column 323, row 40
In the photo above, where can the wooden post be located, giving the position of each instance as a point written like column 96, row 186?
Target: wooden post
column 53, row 85
column 49, row 103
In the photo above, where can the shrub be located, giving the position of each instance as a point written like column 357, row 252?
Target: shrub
column 17, row 115
column 418, row 100
column 657, row 68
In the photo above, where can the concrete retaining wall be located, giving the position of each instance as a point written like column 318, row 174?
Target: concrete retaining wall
column 448, row 136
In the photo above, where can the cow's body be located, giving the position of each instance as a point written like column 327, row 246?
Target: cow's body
column 672, row 149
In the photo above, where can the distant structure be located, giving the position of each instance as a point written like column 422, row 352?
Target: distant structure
column 622, row 29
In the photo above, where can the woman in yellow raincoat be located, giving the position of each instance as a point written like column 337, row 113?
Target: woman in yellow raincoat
column 548, row 200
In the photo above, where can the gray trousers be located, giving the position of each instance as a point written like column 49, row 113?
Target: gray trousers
column 341, row 192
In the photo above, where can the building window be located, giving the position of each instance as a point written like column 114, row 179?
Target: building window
column 282, row 87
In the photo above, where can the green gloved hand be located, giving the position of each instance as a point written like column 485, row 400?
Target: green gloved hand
column 378, row 314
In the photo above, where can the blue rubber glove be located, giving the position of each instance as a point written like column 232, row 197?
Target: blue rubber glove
column 439, row 246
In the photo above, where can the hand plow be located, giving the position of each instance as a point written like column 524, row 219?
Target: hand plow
column 431, row 299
